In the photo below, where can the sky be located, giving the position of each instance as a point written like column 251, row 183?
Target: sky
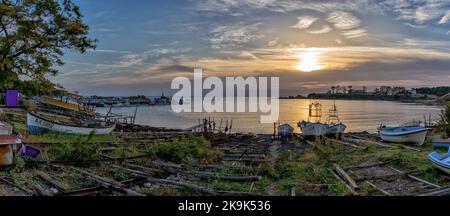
column 310, row 45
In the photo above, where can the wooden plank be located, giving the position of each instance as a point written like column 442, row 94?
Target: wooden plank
column 108, row 183
column 441, row 192
column 416, row 178
column 364, row 141
column 366, row 166
column 352, row 190
column 51, row 181
column 378, row 188
column 345, row 175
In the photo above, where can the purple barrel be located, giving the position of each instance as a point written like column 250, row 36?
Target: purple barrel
column 12, row 98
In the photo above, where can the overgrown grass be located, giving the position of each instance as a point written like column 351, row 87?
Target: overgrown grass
column 185, row 149
column 80, row 149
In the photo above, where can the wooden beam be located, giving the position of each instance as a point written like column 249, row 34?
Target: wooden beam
column 108, row 183
column 345, row 175
column 416, row 178
column 51, row 181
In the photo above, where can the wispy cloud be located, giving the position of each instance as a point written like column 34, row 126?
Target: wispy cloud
column 304, row 22
column 229, row 36
column 343, row 20
column 355, row 33
column 323, row 30
column 445, row 18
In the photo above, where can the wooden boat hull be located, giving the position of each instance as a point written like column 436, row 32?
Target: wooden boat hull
column 444, row 143
column 415, row 137
column 441, row 162
column 335, row 129
column 39, row 125
column 313, row 129
column 285, row 130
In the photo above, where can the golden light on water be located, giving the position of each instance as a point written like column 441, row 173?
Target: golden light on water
column 309, row 61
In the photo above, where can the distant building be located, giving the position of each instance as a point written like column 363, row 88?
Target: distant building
column 399, row 91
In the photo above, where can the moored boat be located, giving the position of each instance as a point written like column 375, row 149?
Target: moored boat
column 312, row 128
column 442, row 162
column 38, row 124
column 415, row 134
column 334, row 126
column 441, row 143
column 285, row 130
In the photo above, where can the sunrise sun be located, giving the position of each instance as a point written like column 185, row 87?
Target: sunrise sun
column 308, row 61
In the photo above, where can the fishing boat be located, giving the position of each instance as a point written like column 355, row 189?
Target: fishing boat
column 441, row 143
column 310, row 128
column 442, row 162
column 67, row 104
column 334, row 126
column 285, row 130
column 415, row 134
column 38, row 124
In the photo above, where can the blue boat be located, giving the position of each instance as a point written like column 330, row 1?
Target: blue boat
column 441, row 143
column 440, row 161
column 404, row 134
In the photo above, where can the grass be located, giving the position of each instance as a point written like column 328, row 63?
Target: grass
column 185, row 149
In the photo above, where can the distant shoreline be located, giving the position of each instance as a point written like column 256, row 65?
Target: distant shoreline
column 430, row 102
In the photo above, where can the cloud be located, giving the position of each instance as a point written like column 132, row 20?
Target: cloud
column 445, row 18
column 343, row 20
column 418, row 11
column 273, row 42
column 355, row 33
column 285, row 6
column 304, row 22
column 323, row 30
column 229, row 36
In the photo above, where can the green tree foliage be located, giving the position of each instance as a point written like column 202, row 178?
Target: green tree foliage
column 444, row 123
column 33, row 37
column 439, row 91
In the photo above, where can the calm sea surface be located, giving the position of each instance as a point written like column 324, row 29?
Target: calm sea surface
column 357, row 115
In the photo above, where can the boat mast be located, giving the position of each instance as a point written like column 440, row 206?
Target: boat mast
column 333, row 114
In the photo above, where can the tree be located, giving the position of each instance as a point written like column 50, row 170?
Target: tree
column 444, row 122
column 33, row 37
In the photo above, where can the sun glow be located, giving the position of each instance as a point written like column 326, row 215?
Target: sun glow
column 308, row 61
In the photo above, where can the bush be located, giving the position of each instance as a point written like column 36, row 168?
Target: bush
column 77, row 151
column 444, row 122
column 186, row 149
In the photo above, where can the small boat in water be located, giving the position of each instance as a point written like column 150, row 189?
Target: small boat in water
column 38, row 124
column 440, row 161
column 415, row 134
column 441, row 143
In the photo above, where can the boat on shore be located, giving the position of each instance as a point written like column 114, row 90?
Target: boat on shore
column 334, row 126
column 441, row 143
column 38, row 124
column 313, row 128
column 442, row 162
column 414, row 134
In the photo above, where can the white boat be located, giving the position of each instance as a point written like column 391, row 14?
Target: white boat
column 404, row 134
column 285, row 130
column 440, row 161
column 334, row 125
column 38, row 124
column 335, row 129
column 312, row 128
column 5, row 128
